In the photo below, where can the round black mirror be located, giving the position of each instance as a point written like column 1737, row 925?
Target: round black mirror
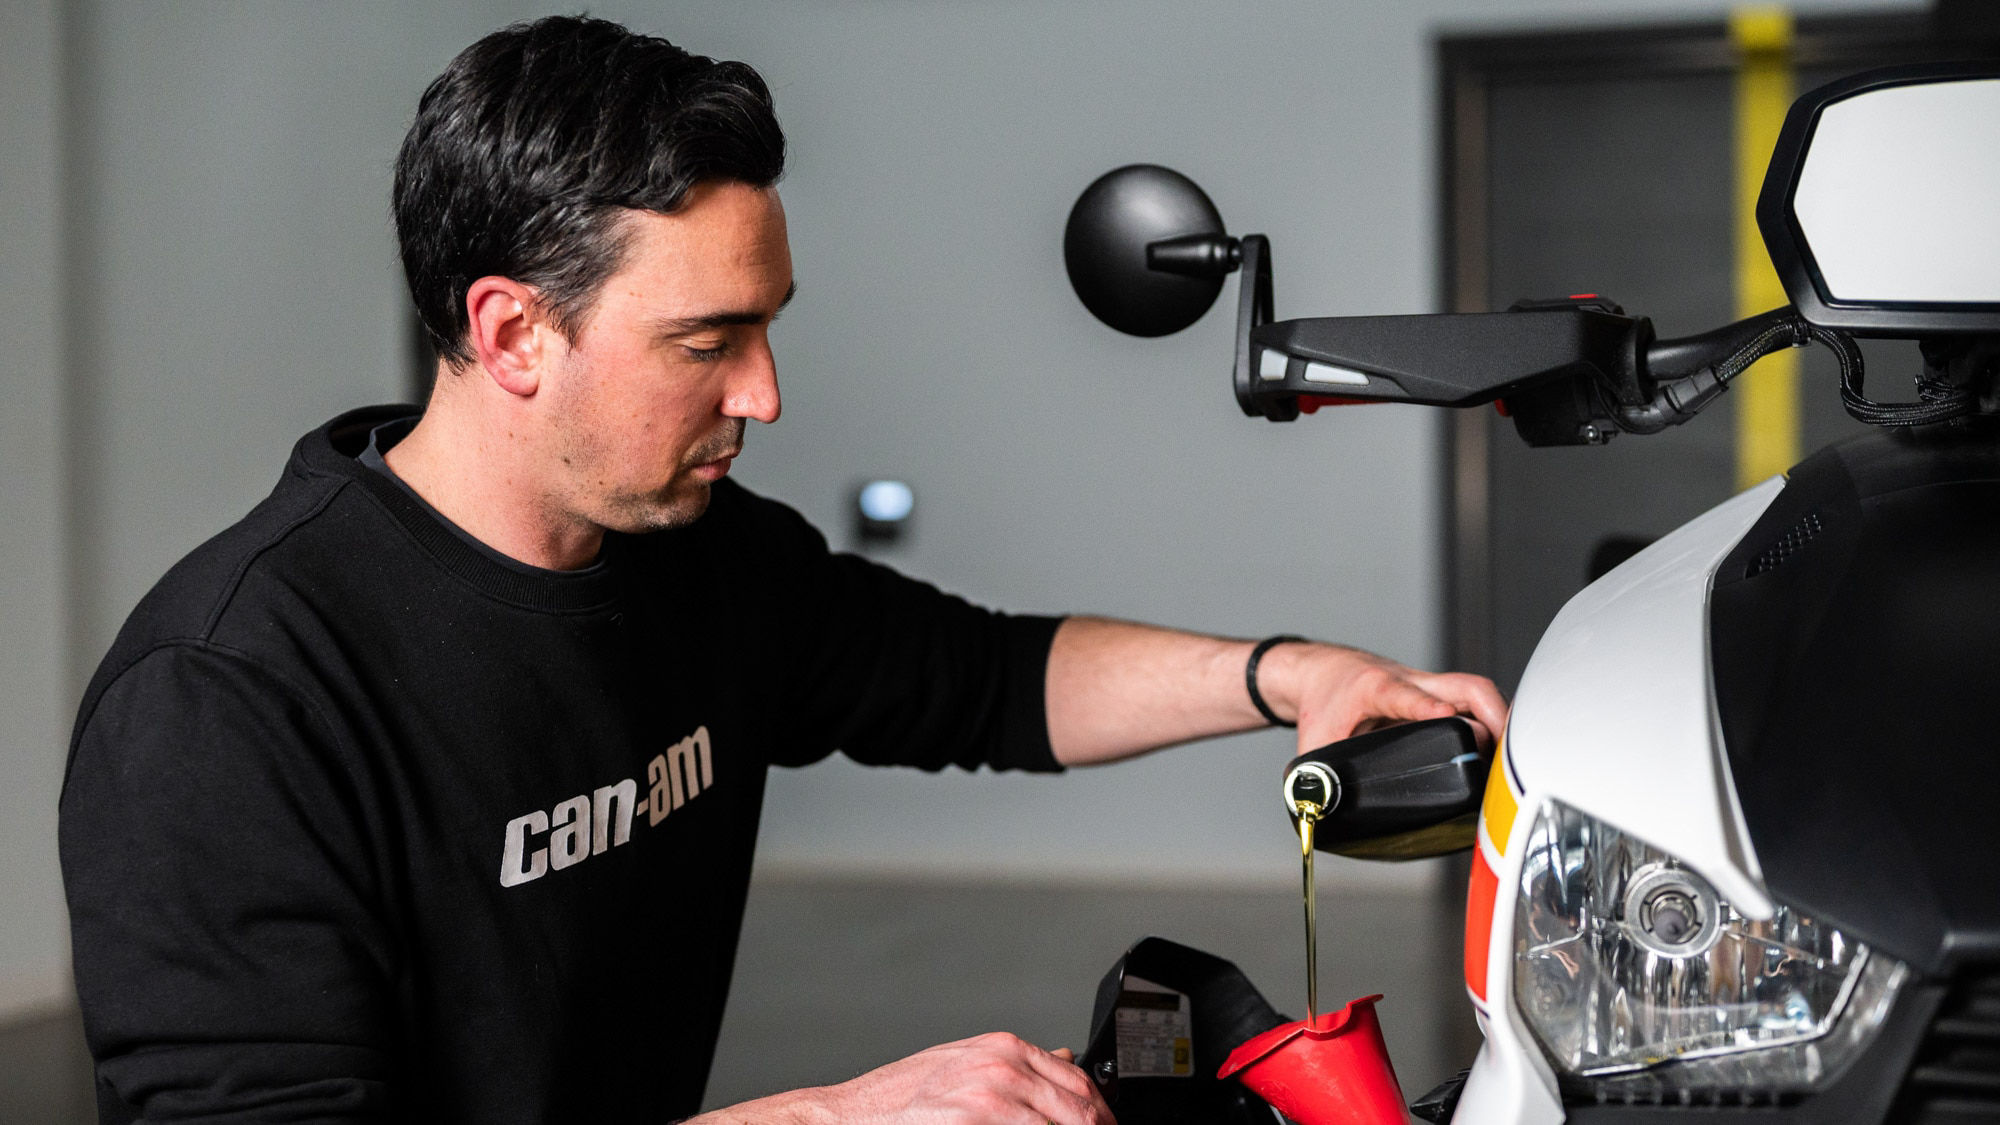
column 1106, row 248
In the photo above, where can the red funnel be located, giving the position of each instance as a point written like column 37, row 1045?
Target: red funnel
column 1335, row 1072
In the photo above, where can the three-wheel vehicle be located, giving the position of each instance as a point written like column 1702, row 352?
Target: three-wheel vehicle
column 1738, row 854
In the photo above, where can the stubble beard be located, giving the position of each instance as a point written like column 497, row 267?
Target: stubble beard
column 684, row 499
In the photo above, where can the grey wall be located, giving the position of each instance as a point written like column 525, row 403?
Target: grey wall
column 230, row 281
column 34, row 691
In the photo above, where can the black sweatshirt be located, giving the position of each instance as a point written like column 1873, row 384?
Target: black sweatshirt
column 362, row 823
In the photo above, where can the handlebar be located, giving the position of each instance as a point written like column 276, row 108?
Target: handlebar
column 1572, row 371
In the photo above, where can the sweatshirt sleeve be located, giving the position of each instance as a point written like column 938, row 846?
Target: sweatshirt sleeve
column 227, row 963
column 892, row 671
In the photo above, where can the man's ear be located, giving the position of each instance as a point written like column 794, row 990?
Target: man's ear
column 509, row 333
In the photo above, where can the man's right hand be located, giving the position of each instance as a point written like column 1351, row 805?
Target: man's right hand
column 990, row 1078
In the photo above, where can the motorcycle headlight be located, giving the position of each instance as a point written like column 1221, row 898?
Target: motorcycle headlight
column 1642, row 984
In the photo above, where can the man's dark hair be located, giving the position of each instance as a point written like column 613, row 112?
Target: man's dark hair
column 529, row 147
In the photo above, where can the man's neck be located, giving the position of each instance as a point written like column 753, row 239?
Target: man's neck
column 485, row 487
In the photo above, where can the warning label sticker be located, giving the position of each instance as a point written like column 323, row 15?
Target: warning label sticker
column 1155, row 1031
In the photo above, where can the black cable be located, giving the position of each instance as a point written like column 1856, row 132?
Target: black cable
column 1939, row 401
column 1680, row 399
column 1790, row 332
column 1681, row 393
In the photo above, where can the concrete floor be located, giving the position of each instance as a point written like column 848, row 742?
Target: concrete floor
column 838, row 977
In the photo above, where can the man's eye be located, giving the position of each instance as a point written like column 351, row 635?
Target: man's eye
column 705, row 355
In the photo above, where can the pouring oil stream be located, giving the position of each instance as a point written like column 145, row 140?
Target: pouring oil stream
column 1311, row 791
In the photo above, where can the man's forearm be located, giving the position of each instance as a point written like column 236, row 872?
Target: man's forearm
column 793, row 1107
column 1116, row 689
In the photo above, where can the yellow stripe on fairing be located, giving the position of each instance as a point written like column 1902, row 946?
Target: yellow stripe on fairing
column 1501, row 803
column 1767, row 411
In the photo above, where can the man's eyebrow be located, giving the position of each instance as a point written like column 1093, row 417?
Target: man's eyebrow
column 682, row 326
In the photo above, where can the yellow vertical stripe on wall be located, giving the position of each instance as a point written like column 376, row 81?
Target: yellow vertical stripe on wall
column 1767, row 406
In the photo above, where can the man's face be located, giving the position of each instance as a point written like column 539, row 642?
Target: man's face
column 649, row 402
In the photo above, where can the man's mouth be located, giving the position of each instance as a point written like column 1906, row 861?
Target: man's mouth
column 717, row 467
column 714, row 458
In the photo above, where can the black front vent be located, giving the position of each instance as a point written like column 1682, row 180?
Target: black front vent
column 1790, row 543
column 1956, row 1076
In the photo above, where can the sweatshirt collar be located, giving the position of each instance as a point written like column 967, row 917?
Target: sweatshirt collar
column 333, row 450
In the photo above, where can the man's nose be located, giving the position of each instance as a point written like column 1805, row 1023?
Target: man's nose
column 753, row 388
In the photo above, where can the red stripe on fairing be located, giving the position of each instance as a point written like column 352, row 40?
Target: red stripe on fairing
column 1479, row 901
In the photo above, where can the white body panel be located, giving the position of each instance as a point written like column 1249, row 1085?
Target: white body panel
column 1616, row 716
column 1503, row 1092
column 1616, row 712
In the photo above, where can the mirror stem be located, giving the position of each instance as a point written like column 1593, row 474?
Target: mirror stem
column 1195, row 255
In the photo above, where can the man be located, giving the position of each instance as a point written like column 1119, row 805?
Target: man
column 428, row 791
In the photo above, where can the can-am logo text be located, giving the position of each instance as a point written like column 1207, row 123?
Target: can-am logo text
column 590, row 823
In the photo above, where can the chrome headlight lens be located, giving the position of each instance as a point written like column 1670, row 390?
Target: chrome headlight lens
column 1642, row 983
